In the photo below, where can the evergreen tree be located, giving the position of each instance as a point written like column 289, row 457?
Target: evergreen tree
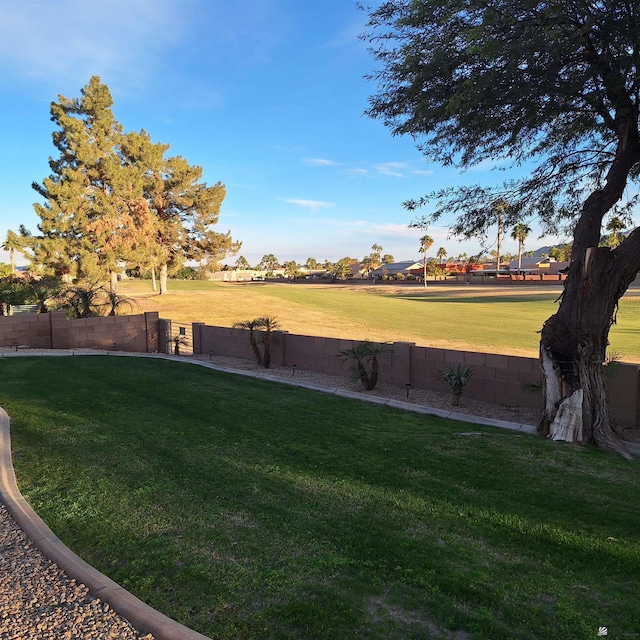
column 94, row 211
column 113, row 197
column 183, row 208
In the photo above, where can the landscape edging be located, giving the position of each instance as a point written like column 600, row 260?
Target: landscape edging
column 140, row 615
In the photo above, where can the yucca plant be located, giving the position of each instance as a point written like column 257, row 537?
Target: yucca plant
column 367, row 366
column 457, row 377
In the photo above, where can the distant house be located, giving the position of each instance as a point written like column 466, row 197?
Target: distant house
column 406, row 268
column 490, row 268
column 357, row 271
column 537, row 265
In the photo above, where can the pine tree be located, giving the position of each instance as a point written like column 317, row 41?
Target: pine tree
column 113, row 197
column 183, row 208
column 94, row 212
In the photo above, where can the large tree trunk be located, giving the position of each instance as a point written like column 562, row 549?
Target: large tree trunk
column 163, row 279
column 153, row 279
column 574, row 342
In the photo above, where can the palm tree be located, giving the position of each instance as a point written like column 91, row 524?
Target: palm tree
column 251, row 326
column 342, row 268
column 12, row 244
column 441, row 253
column 269, row 263
column 614, row 225
column 242, row 264
column 375, row 255
column 520, row 233
column 291, row 269
column 426, row 242
column 83, row 300
column 267, row 325
column 43, row 290
column 115, row 301
column 498, row 207
column 365, row 355
column 368, row 265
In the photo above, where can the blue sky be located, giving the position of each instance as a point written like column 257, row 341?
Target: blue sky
column 266, row 95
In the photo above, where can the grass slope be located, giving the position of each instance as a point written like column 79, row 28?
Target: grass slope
column 494, row 319
column 247, row 509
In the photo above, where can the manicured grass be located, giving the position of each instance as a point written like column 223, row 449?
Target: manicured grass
column 248, row 509
column 483, row 318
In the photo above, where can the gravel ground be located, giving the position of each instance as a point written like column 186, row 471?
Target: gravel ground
column 434, row 399
column 39, row 602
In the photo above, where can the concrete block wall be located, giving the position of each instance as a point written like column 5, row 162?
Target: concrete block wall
column 623, row 385
column 500, row 379
column 33, row 330
column 138, row 333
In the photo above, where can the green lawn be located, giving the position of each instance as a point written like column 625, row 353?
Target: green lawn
column 482, row 318
column 247, row 509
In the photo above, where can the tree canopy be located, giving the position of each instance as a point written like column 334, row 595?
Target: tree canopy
column 554, row 83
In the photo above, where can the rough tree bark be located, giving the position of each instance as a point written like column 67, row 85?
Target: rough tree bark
column 574, row 341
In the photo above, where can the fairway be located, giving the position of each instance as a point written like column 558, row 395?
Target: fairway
column 485, row 318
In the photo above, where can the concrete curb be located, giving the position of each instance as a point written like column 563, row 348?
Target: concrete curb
column 143, row 618
column 355, row 395
column 140, row 615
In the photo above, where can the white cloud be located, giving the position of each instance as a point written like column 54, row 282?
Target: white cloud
column 391, row 169
column 357, row 172
column 320, row 162
column 312, row 205
column 423, row 172
column 386, row 229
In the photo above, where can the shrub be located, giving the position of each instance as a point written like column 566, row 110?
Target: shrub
column 366, row 365
column 190, row 273
column 13, row 291
column 457, row 377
